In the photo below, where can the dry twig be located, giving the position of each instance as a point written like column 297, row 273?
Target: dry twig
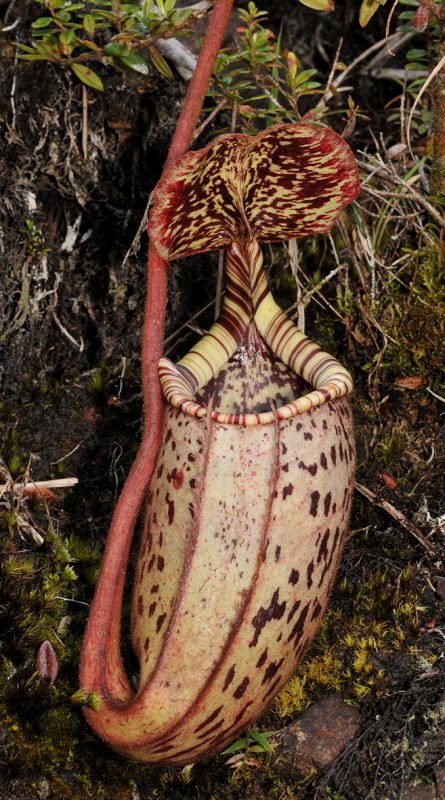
column 85, row 122
column 57, row 483
column 397, row 515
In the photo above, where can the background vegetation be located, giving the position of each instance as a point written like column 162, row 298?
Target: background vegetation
column 84, row 130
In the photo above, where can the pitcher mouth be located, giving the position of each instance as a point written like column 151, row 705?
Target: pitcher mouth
column 250, row 320
column 180, row 392
column 296, row 408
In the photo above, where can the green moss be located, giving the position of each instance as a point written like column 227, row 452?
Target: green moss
column 374, row 617
column 253, row 777
column 43, row 734
column 108, row 382
column 412, row 316
column 372, row 613
column 369, row 618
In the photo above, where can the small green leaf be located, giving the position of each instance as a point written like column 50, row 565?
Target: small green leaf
column 367, row 10
column 414, row 54
column 90, row 45
column 180, row 16
column 169, row 6
column 89, row 23
column 106, row 15
column 135, row 62
column 66, row 37
column 34, row 58
column 261, row 739
column 240, row 744
column 147, row 9
column 68, row 41
column 292, row 64
column 319, row 5
column 303, row 76
column 306, row 87
column 49, row 47
column 160, row 63
column 121, row 37
column 116, row 49
column 24, row 47
column 87, row 76
column 41, row 22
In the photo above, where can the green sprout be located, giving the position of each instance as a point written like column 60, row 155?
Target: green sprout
column 109, row 32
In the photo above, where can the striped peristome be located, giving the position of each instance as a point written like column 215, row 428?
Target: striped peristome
column 249, row 501
column 248, row 298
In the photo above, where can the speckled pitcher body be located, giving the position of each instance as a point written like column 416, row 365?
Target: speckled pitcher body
column 244, row 531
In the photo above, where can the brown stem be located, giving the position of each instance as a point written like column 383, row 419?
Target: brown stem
column 101, row 667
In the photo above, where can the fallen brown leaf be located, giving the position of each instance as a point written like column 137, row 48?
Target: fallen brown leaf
column 39, row 493
column 411, row 382
column 389, row 480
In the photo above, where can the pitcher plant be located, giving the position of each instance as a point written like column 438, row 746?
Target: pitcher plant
column 249, row 487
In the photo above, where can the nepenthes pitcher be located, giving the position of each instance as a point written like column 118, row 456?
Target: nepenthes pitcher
column 249, row 501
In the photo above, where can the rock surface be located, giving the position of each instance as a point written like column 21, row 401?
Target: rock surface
column 439, row 774
column 317, row 738
column 420, row 791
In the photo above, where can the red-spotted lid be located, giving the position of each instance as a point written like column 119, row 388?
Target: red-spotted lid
column 288, row 181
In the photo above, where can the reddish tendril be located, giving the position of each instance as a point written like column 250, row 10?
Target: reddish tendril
column 101, row 667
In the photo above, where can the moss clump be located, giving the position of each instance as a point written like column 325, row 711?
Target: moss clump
column 34, row 581
column 372, row 615
column 412, row 316
column 109, row 384
column 38, row 579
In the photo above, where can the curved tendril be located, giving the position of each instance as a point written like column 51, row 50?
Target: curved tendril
column 101, row 668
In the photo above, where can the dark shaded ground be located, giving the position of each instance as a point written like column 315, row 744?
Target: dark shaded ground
column 70, row 325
